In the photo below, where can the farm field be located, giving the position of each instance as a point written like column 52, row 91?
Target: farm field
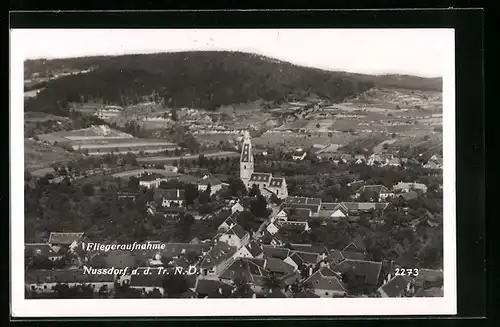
column 137, row 172
column 37, row 156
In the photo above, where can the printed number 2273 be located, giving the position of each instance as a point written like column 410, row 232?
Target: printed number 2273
column 406, row 272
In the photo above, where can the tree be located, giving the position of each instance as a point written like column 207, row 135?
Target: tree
column 318, row 125
column 242, row 288
column 272, row 282
column 258, row 207
column 133, row 183
column 175, row 116
column 88, row 189
column 254, row 191
column 385, row 146
column 191, row 193
column 393, row 135
column 236, row 187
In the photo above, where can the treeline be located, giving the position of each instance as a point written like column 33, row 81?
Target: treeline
column 203, row 79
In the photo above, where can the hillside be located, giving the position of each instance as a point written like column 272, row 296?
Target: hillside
column 199, row 79
column 403, row 81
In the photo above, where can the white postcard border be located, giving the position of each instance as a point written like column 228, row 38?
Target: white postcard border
column 21, row 307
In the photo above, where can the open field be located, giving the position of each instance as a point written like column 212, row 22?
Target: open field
column 33, row 117
column 38, row 156
column 223, row 154
column 137, row 172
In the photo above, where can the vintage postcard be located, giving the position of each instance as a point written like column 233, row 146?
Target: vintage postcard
column 233, row 172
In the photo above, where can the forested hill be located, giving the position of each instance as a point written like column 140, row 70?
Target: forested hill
column 201, row 79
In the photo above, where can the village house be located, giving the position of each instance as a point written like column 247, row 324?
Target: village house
column 298, row 259
column 367, row 272
column 237, row 207
column 147, row 280
column 398, row 286
column 275, row 252
column 407, row 187
column 326, row 283
column 216, row 260
column 151, row 180
column 299, row 154
column 235, row 236
column 231, row 220
column 45, row 281
column 206, row 288
column 64, row 240
column 359, row 159
column 252, row 250
column 266, row 182
column 377, row 192
column 215, row 185
column 435, row 162
column 170, row 197
column 41, row 250
column 337, row 211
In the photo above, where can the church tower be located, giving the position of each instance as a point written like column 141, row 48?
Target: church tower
column 246, row 160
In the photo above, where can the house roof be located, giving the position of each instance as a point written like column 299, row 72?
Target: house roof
column 302, row 200
column 173, row 250
column 373, row 188
column 236, row 230
column 219, row 253
column 312, row 207
column 301, row 214
column 326, row 279
column 231, row 220
column 260, row 177
column 395, row 287
column 329, row 205
column 364, row 206
column 370, row 270
column 254, row 248
column 276, row 181
column 245, row 269
column 407, row 196
column 337, row 256
column 407, row 186
column 212, row 288
column 275, row 252
column 277, row 266
column 39, row 249
column 63, row 276
column 300, row 257
column 149, row 177
column 170, row 194
column 276, row 293
column 309, row 248
column 64, row 238
column 211, row 180
column 154, row 279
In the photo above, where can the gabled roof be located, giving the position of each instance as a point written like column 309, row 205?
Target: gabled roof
column 304, row 257
column 326, row 279
column 407, row 196
column 407, row 186
column 243, row 269
column 170, row 194
column 254, row 248
column 277, row 266
column 261, row 177
column 276, row 181
column 298, row 152
column 337, row 256
column 365, row 206
column 173, row 250
column 236, row 230
column 149, row 177
column 275, row 252
column 301, row 214
column 64, row 238
column 231, row 220
column 373, row 188
column 329, row 205
column 219, row 253
column 154, row 279
column 212, row 288
column 312, row 207
column 303, row 200
column 370, row 270
column 211, row 180
column 39, row 249
column 309, row 248
column 395, row 287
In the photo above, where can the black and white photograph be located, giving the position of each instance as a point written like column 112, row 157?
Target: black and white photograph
column 233, row 172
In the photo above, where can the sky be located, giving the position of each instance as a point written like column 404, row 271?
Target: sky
column 421, row 52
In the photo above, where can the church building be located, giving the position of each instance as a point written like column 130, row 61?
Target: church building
column 267, row 184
